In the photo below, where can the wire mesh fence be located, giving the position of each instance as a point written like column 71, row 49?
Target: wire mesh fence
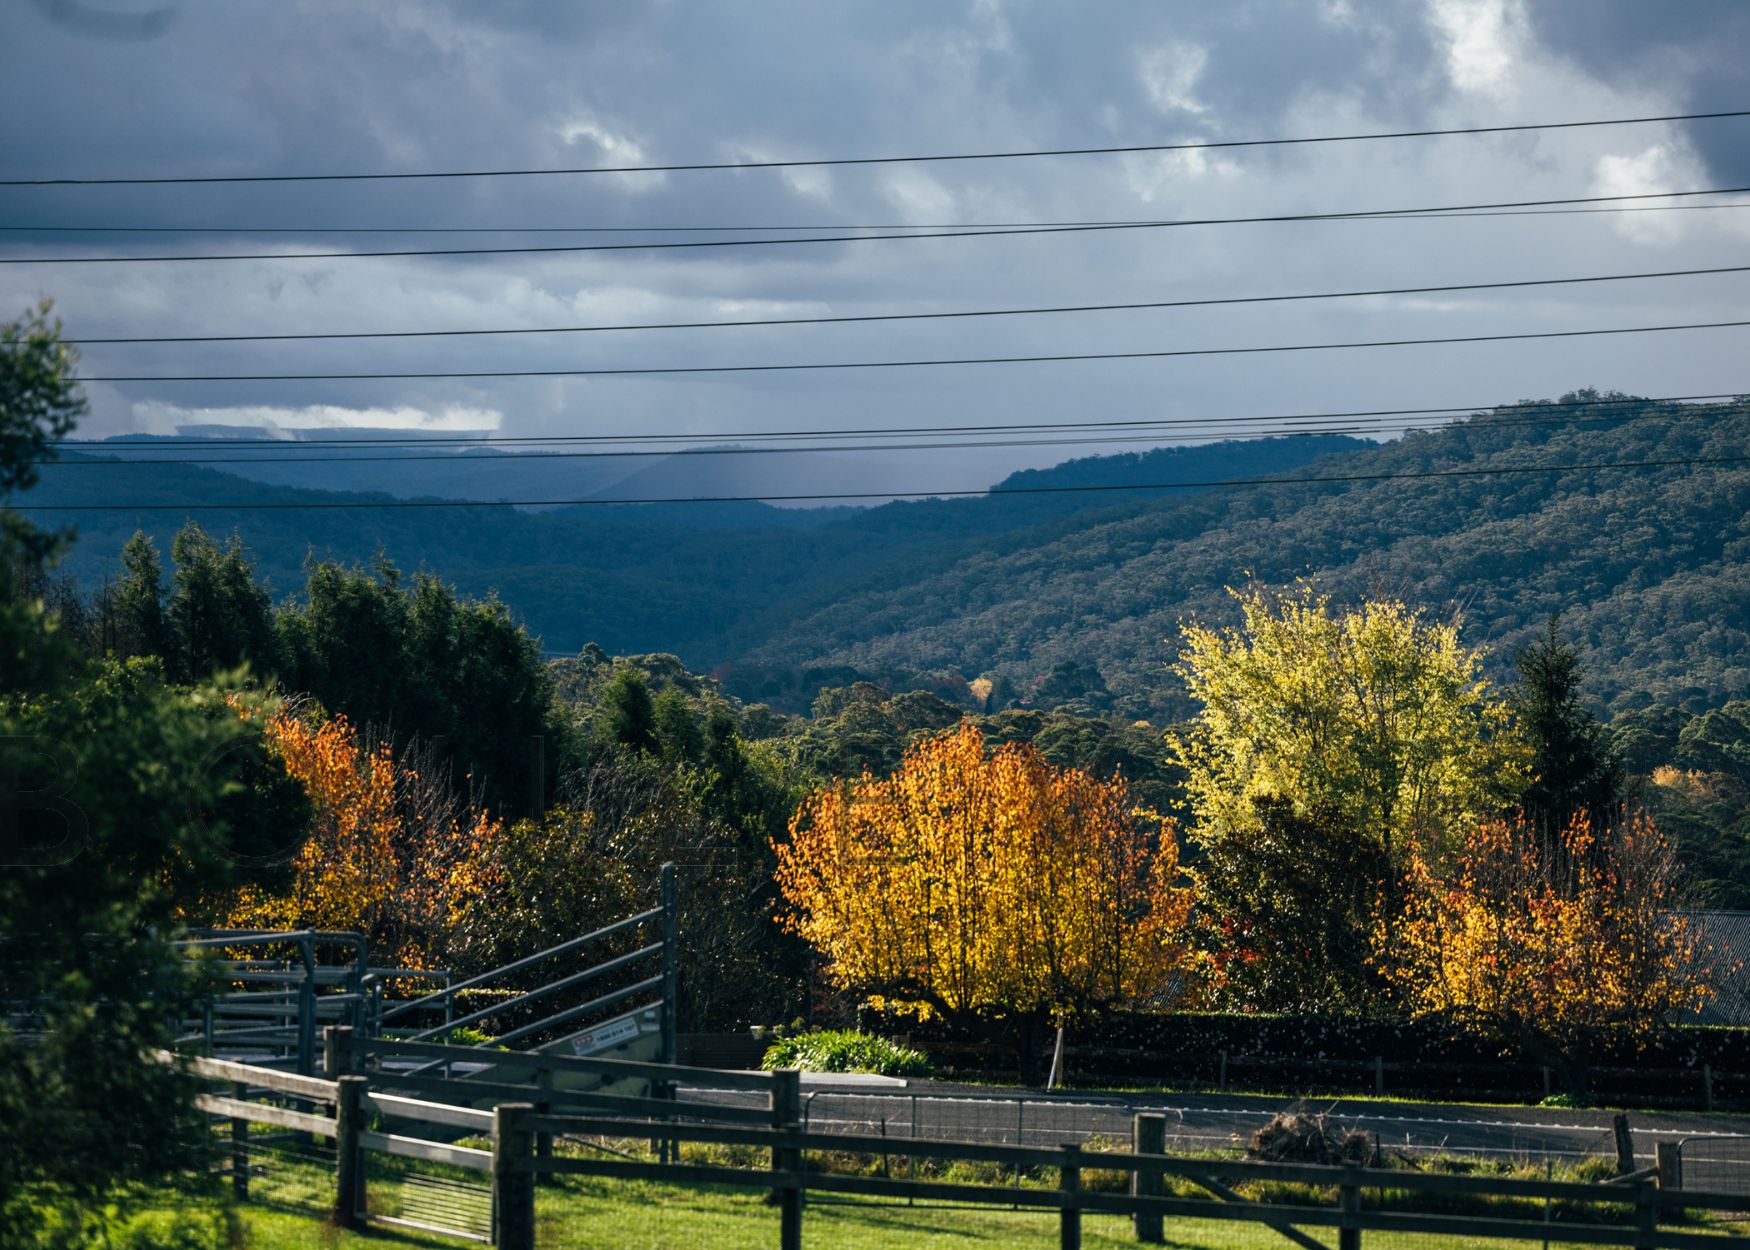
column 420, row 1198
column 280, row 1170
column 998, row 1121
column 1715, row 1164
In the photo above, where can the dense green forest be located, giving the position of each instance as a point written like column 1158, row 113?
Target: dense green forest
column 1646, row 565
column 630, row 578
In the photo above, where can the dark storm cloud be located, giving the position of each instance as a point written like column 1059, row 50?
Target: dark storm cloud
column 273, row 88
column 1696, row 50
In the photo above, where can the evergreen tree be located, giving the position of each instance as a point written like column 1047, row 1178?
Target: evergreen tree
column 219, row 615
column 1576, row 766
column 678, row 726
column 101, row 769
column 137, row 602
column 408, row 659
column 628, row 714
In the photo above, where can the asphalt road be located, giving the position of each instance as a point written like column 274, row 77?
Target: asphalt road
column 1207, row 1121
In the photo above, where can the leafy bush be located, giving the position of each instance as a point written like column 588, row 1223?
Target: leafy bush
column 846, row 1050
column 1576, row 1102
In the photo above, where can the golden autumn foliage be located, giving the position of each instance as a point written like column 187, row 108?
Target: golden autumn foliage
column 986, row 887
column 391, row 856
column 1547, row 944
column 1373, row 712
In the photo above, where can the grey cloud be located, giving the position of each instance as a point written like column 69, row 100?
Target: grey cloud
column 298, row 87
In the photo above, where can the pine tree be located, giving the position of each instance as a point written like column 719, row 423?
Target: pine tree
column 137, row 602
column 1576, row 767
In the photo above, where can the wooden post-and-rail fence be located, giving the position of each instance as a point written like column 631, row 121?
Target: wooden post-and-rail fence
column 1147, row 1203
column 516, row 1163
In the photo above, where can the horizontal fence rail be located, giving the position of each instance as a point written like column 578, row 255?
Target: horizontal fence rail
column 519, row 1134
column 788, row 1178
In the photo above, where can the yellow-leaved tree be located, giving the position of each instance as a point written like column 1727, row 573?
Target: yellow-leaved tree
column 1549, row 945
column 391, row 855
column 1374, row 713
column 991, row 889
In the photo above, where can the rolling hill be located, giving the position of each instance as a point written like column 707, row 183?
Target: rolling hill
column 1647, row 563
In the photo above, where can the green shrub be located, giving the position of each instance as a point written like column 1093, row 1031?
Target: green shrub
column 1578, row 1102
column 846, row 1050
column 471, row 1037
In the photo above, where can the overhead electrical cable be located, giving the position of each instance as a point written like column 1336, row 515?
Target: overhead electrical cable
column 836, row 448
column 680, row 370
column 176, row 452
column 1489, row 411
column 935, row 316
column 915, row 225
column 801, row 240
column 1201, row 146
column 890, row 494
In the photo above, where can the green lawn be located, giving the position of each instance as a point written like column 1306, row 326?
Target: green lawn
column 605, row 1214
column 614, row 1215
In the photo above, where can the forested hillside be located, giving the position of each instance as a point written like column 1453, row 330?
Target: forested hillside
column 1040, row 592
column 1647, row 566
column 698, row 580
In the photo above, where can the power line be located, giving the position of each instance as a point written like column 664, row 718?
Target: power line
column 934, row 494
column 1080, row 440
column 672, row 370
column 553, row 249
column 936, row 316
column 694, row 245
column 110, row 457
column 872, row 160
column 1489, row 411
column 915, row 225
column 522, row 457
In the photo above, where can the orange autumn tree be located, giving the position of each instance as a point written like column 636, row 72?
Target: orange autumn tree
column 392, row 854
column 993, row 890
column 1549, row 945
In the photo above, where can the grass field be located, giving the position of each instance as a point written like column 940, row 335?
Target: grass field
column 290, row 1191
column 614, row 1215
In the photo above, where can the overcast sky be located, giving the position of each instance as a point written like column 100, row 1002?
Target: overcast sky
column 249, row 87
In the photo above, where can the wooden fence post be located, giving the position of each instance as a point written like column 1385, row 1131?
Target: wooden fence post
column 1646, row 1216
column 787, row 1116
column 1349, row 1202
column 1707, row 1084
column 1379, row 1074
column 1670, row 1161
column 1148, row 1136
column 544, row 1141
column 1069, row 1180
column 1625, row 1144
column 337, row 1051
column 513, row 1177
column 1224, row 1071
column 349, row 1173
column 240, row 1146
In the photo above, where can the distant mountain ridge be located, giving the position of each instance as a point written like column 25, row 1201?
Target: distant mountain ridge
column 1649, row 566
column 702, row 580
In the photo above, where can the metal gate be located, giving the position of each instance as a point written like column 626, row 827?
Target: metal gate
column 404, row 1196
column 1715, row 1164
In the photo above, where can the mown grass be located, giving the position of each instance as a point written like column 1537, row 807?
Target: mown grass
column 616, row 1215
column 625, row 1215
